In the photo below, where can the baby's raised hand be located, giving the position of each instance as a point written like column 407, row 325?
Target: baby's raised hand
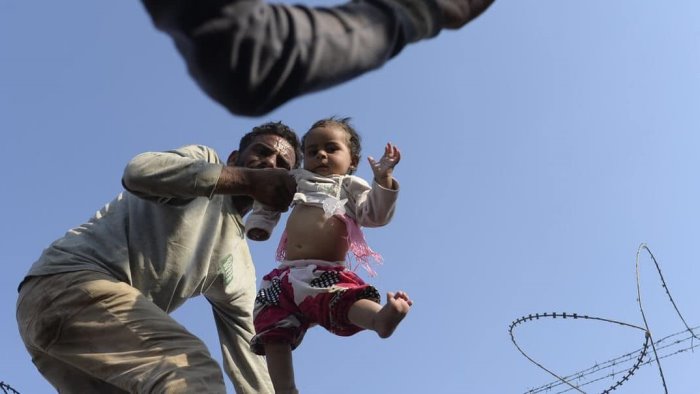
column 384, row 168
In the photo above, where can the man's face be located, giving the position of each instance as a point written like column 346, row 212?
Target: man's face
column 267, row 151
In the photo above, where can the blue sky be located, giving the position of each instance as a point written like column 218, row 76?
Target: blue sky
column 540, row 146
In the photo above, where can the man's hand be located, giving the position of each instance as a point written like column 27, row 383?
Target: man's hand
column 456, row 13
column 273, row 187
column 384, row 168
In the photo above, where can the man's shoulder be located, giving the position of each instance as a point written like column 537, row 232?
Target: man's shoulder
column 198, row 151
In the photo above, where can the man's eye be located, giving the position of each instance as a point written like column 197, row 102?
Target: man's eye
column 281, row 163
column 261, row 150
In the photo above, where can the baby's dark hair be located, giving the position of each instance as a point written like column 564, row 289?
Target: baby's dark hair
column 354, row 140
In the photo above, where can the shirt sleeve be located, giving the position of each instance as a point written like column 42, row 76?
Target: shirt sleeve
column 262, row 218
column 372, row 206
column 185, row 173
column 252, row 56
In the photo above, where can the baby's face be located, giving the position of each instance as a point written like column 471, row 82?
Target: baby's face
column 326, row 151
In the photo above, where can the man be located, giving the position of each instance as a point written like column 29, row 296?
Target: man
column 93, row 310
column 252, row 57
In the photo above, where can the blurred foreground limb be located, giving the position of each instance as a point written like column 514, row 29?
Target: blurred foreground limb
column 252, row 57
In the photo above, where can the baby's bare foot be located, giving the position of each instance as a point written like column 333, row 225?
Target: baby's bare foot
column 391, row 314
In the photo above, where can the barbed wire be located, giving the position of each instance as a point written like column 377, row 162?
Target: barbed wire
column 620, row 361
column 6, row 388
column 564, row 315
column 668, row 293
column 637, row 358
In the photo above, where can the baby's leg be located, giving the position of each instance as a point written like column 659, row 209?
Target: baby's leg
column 381, row 319
column 279, row 364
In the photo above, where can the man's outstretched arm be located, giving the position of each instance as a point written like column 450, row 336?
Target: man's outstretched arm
column 252, row 57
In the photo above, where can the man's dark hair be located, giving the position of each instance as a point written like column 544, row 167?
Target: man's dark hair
column 275, row 128
column 354, row 140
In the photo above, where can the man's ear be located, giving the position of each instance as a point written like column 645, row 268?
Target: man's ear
column 232, row 158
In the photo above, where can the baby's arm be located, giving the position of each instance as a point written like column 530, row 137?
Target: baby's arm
column 260, row 222
column 374, row 206
column 384, row 168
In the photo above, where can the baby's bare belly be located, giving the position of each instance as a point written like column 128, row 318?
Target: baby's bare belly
column 312, row 235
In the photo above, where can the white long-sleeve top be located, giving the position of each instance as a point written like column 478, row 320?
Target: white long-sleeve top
column 369, row 206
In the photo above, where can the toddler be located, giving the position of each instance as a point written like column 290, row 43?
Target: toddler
column 313, row 284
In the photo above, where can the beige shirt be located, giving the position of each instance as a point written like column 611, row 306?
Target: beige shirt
column 172, row 239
